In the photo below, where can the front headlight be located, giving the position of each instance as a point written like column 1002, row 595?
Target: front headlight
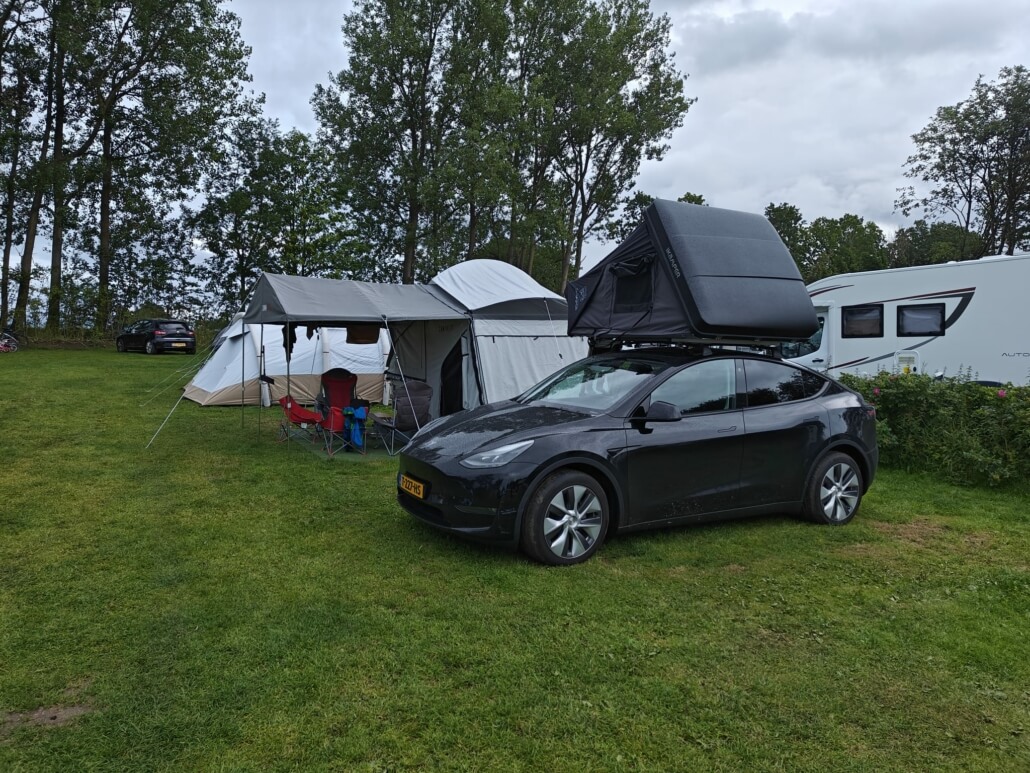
column 496, row 457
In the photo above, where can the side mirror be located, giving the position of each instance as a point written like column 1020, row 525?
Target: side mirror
column 662, row 411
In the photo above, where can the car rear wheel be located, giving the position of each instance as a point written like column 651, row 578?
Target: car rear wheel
column 151, row 349
column 834, row 490
column 566, row 519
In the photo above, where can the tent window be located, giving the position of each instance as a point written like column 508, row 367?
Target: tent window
column 921, row 320
column 633, row 292
column 861, row 321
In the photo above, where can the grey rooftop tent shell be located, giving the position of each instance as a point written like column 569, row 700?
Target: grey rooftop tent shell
column 694, row 274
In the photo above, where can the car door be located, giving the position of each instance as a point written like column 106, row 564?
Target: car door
column 689, row 468
column 132, row 336
column 785, row 427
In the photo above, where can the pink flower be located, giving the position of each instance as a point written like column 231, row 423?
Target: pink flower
column 1002, row 393
column 876, row 391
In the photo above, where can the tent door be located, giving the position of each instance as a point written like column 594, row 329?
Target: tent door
column 452, row 394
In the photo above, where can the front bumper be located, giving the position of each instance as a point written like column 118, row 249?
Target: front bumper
column 476, row 504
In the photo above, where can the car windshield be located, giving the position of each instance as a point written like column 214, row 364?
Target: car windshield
column 595, row 385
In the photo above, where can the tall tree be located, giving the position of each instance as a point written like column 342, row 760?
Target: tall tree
column 619, row 98
column 841, row 245
column 391, row 119
column 793, row 230
column 976, row 157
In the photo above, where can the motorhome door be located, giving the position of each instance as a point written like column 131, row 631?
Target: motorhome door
column 814, row 353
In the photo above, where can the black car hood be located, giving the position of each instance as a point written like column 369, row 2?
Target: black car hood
column 490, row 426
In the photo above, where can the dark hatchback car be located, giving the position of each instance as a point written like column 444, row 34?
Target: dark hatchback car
column 154, row 336
column 643, row 439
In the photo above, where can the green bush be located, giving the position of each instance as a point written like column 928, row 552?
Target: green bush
column 968, row 433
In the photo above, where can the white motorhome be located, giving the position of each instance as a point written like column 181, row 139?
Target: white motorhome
column 961, row 318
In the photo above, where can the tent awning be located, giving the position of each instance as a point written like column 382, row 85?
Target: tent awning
column 316, row 302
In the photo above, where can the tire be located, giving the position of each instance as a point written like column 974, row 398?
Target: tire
column 151, row 349
column 566, row 519
column 834, row 490
column 121, row 346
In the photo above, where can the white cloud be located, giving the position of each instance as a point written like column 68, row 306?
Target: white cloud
column 812, row 102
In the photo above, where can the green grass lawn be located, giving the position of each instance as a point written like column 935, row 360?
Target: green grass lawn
column 220, row 601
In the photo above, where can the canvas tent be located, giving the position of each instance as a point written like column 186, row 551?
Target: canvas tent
column 479, row 332
column 512, row 337
column 694, row 273
column 231, row 375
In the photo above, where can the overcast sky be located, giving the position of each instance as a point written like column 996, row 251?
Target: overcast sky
column 810, row 102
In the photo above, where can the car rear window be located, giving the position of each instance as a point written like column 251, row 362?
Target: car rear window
column 174, row 327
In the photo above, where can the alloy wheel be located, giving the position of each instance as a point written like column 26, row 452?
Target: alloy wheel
column 573, row 521
column 839, row 492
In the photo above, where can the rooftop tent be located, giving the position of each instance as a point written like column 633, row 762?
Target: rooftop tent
column 694, row 273
column 231, row 375
column 512, row 337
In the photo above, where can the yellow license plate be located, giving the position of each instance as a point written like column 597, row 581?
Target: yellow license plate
column 179, row 345
column 413, row 487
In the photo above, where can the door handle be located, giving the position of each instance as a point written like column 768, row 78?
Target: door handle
column 727, row 429
column 820, row 359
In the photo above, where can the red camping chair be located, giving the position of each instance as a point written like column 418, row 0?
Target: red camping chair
column 337, row 391
column 295, row 415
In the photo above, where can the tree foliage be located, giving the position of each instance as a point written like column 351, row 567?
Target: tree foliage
column 495, row 127
column 975, row 156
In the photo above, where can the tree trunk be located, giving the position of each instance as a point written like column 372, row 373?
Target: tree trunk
column 410, row 243
column 21, row 305
column 11, row 193
column 103, row 317
column 58, row 179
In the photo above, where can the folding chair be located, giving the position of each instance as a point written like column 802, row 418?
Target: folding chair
column 411, row 400
column 337, row 390
column 295, row 415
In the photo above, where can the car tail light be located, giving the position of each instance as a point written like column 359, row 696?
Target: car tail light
column 159, row 332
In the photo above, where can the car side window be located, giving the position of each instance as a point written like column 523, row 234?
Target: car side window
column 705, row 386
column 769, row 383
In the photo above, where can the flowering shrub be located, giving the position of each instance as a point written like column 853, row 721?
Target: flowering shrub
column 968, row 433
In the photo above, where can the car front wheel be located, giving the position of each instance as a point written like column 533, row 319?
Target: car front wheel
column 834, row 490
column 121, row 345
column 566, row 519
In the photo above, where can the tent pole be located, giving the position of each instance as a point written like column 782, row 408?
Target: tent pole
column 476, row 360
column 243, row 376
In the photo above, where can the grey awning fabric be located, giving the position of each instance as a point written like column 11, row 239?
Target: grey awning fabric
column 315, row 302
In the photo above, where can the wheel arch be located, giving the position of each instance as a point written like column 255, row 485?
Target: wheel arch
column 595, row 468
column 850, row 449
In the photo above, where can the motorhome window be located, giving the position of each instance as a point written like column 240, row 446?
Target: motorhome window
column 861, row 322
column 923, row 320
column 633, row 292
